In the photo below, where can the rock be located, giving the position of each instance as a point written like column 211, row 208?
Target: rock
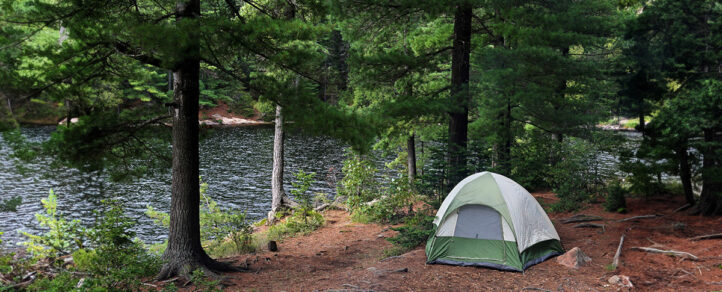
column 621, row 280
column 574, row 258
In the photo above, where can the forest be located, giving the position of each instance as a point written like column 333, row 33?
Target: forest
column 357, row 118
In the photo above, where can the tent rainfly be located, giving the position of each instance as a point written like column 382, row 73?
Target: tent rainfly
column 488, row 220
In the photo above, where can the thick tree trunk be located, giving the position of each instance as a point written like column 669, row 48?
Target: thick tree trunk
column 277, row 174
column 458, row 116
column 184, row 252
column 411, row 157
column 685, row 174
column 710, row 201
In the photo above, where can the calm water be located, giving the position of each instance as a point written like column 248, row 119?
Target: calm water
column 235, row 162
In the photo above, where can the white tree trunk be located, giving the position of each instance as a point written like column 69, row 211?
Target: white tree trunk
column 277, row 175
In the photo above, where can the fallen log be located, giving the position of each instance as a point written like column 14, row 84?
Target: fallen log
column 615, row 262
column 591, row 225
column 685, row 206
column 390, row 258
column 639, row 217
column 707, row 236
column 675, row 253
column 582, row 218
column 404, row 270
column 537, row 289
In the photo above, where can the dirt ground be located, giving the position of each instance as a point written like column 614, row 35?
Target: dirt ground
column 347, row 256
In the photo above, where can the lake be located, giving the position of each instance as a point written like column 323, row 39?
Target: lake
column 236, row 162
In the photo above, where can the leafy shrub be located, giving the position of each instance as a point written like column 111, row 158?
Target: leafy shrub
column 218, row 227
column 359, row 184
column 578, row 177
column 615, row 201
column 416, row 231
column 300, row 191
column 62, row 282
column 204, row 283
column 394, row 205
column 62, row 238
column 534, row 151
column 113, row 260
column 644, row 172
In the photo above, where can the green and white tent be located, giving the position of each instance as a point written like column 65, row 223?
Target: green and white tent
column 488, row 220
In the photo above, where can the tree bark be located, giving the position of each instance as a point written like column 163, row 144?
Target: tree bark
column 458, row 116
column 685, row 174
column 641, row 115
column 185, row 252
column 277, row 174
column 710, row 201
column 411, row 157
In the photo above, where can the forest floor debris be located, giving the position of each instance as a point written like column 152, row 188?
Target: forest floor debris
column 350, row 254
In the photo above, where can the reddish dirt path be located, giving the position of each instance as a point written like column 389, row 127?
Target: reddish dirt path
column 345, row 256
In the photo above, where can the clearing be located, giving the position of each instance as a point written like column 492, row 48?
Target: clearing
column 347, row 256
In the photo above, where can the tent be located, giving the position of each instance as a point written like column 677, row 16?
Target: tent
column 488, row 220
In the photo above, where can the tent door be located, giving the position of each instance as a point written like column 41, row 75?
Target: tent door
column 480, row 222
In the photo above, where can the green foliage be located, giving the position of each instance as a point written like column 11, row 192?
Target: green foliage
column 7, row 121
column 395, row 203
column 295, row 224
column 22, row 149
column 578, row 176
column 615, row 198
column 533, row 159
column 413, row 233
column 204, row 283
column 218, row 227
column 107, row 258
column 11, row 205
column 359, row 184
column 116, row 260
column 112, row 141
column 62, row 238
column 644, row 173
column 65, row 281
column 300, row 191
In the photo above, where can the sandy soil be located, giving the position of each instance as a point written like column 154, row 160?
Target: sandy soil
column 347, row 256
column 220, row 115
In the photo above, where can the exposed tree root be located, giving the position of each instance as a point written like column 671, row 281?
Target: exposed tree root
column 707, row 236
column 639, row 217
column 591, row 225
column 182, row 267
column 618, row 254
column 685, row 206
column 675, row 253
column 581, row 218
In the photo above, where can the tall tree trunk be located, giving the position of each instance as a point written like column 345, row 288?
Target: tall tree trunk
column 710, row 201
column 184, row 252
column 641, row 115
column 411, row 157
column 561, row 93
column 458, row 116
column 685, row 174
column 277, row 174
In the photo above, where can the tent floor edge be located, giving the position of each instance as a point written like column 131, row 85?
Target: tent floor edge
column 476, row 264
